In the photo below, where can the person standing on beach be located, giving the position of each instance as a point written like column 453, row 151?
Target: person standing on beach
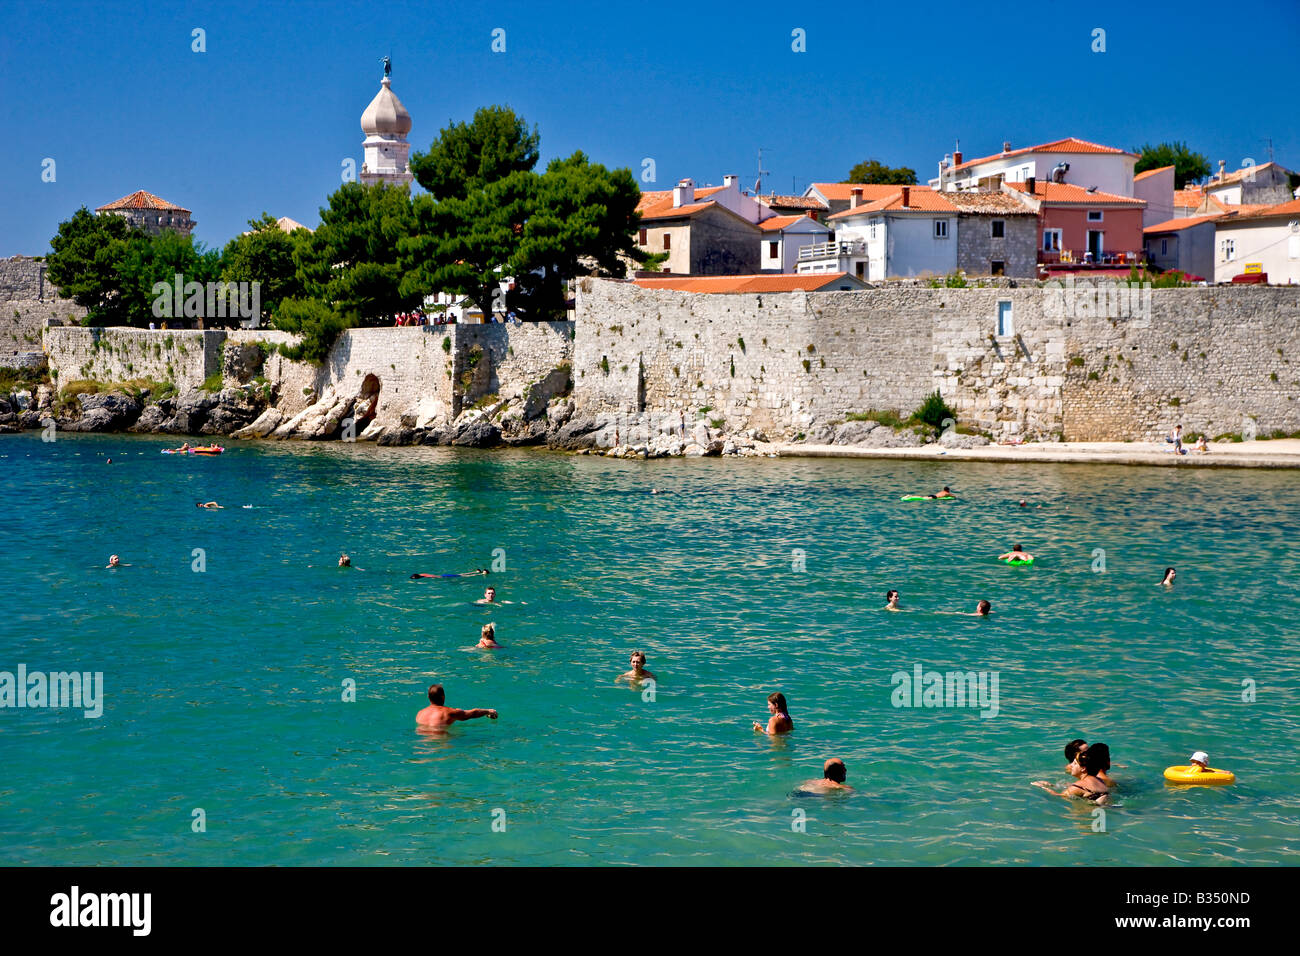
column 437, row 716
column 780, row 722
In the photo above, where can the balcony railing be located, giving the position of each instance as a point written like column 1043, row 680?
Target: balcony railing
column 1084, row 258
column 832, row 250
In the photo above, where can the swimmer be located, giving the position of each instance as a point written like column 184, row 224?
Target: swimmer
column 489, row 597
column 1168, row 580
column 1024, row 503
column 115, row 562
column 779, row 722
column 1074, row 768
column 1201, row 761
column 638, row 671
column 983, row 608
column 834, row 773
column 110, row 461
column 459, row 574
column 891, row 601
column 1018, row 553
column 488, row 636
column 1094, row 761
column 438, row 717
column 208, row 504
column 946, row 493
column 345, row 561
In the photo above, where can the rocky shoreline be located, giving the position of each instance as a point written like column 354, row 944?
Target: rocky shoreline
column 538, row 418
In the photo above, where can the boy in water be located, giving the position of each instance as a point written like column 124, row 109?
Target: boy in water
column 834, row 773
column 1018, row 553
column 946, row 493
column 489, row 597
column 638, row 672
column 438, row 717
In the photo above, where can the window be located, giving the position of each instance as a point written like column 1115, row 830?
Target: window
column 1005, row 327
column 668, row 241
column 873, row 230
column 997, row 229
column 1094, row 215
column 941, row 229
column 1164, row 247
column 773, row 250
column 1051, row 240
column 1293, row 247
column 642, row 240
column 1229, row 250
column 997, row 267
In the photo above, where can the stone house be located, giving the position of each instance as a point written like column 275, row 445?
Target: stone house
column 997, row 235
column 708, row 231
column 145, row 211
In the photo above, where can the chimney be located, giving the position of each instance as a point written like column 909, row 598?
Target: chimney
column 855, row 197
column 956, row 157
column 1222, row 169
column 1031, row 183
column 683, row 193
column 907, row 195
column 1006, row 147
column 730, row 181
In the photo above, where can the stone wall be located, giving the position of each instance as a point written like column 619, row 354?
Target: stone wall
column 1018, row 247
column 121, row 354
column 1204, row 357
column 27, row 303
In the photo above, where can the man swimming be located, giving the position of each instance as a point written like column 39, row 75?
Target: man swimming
column 438, row 717
column 834, row 773
column 460, row 574
column 207, row 504
column 488, row 636
column 489, row 597
column 780, row 722
column 345, row 561
column 1073, row 765
column 1018, row 553
column 946, row 493
column 983, row 608
column 115, row 562
column 638, row 672
column 1091, row 785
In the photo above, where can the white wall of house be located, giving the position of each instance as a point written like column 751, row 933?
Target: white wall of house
column 906, row 245
column 747, row 207
column 1190, row 250
column 788, row 243
column 1109, row 172
column 1273, row 243
column 1158, row 191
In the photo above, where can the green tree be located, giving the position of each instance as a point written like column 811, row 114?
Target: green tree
column 873, row 171
column 317, row 323
column 1188, row 166
column 466, row 157
column 352, row 261
column 265, row 255
column 85, row 265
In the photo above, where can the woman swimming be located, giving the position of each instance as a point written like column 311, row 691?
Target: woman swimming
column 779, row 722
column 488, row 636
column 891, row 601
column 1168, row 580
column 1093, row 761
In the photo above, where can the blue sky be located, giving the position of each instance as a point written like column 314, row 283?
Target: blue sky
column 263, row 120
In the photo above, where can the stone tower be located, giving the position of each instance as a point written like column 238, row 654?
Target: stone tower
column 386, row 123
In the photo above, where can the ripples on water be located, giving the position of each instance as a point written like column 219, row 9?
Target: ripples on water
column 223, row 689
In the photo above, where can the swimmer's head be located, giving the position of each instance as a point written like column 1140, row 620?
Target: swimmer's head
column 198, row 504
column 834, row 769
column 637, row 659
column 1073, row 747
column 114, row 559
column 1023, row 504
column 436, row 694
column 983, row 607
column 776, row 703
column 489, row 631
column 490, row 594
column 1201, row 759
column 1095, row 758
column 1018, row 547
column 890, row 595
column 947, row 489
column 1169, row 574
column 345, row 561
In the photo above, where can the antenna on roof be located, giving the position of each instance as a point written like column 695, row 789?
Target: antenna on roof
column 758, row 183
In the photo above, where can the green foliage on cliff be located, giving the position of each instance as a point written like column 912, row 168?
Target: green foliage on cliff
column 318, row 324
column 934, row 411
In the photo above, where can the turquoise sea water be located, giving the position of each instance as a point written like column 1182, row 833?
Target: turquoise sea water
column 223, row 688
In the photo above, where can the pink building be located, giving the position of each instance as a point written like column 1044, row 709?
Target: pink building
column 1083, row 227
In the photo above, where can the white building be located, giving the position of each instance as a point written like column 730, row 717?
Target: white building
column 784, row 236
column 1069, row 160
column 386, row 123
column 912, row 232
column 1265, row 241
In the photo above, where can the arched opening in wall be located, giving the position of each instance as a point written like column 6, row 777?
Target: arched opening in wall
column 367, row 401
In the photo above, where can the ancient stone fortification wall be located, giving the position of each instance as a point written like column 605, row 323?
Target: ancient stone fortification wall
column 27, row 303
column 1202, row 357
column 185, row 358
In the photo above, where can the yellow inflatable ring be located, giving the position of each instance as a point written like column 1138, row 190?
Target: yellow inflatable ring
column 1194, row 774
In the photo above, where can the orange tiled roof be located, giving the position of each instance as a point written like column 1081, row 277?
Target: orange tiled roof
column 1067, row 145
column 1150, row 172
column 1235, row 176
column 843, row 192
column 920, row 200
column 780, row 222
column 1189, row 197
column 653, row 198
column 658, row 203
column 750, row 283
column 1173, row 225
column 1067, row 194
column 141, row 200
column 998, row 203
column 1265, row 211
